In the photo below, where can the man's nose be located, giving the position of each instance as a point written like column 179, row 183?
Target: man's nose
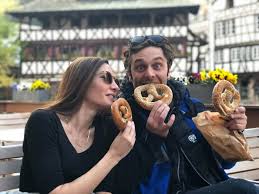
column 150, row 72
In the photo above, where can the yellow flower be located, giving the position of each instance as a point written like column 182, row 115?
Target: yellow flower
column 216, row 75
column 39, row 85
column 233, row 79
column 203, row 75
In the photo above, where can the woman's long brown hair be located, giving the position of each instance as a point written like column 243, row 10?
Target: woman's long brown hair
column 74, row 85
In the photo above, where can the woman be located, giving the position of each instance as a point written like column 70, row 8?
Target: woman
column 66, row 148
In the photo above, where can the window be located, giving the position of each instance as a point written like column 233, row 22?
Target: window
column 244, row 53
column 257, row 23
column 230, row 26
column 255, row 52
column 219, row 29
column 218, row 56
column 95, row 21
column 225, row 28
column 229, row 4
column 234, row 54
column 133, row 20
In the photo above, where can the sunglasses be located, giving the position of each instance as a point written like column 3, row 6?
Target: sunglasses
column 154, row 39
column 109, row 78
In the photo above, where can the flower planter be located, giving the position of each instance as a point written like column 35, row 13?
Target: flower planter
column 31, row 96
column 203, row 92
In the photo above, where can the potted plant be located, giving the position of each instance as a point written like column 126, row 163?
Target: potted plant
column 37, row 91
column 41, row 90
column 201, row 84
column 211, row 77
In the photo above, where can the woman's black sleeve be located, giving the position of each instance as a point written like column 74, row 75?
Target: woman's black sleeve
column 41, row 152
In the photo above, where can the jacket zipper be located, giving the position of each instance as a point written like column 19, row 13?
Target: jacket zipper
column 194, row 167
column 178, row 169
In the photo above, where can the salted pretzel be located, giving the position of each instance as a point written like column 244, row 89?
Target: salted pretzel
column 147, row 95
column 121, row 113
column 225, row 98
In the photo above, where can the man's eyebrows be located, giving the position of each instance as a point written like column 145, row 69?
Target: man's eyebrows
column 139, row 61
column 158, row 58
column 142, row 61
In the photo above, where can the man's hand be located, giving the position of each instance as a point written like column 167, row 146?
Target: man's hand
column 238, row 120
column 155, row 122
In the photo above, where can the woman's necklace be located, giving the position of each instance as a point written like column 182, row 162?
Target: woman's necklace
column 80, row 142
column 89, row 132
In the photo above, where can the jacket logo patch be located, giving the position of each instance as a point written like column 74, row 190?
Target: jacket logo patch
column 192, row 138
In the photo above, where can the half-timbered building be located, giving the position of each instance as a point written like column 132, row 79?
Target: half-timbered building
column 54, row 32
column 237, row 43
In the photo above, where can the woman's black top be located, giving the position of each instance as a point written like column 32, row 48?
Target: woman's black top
column 50, row 159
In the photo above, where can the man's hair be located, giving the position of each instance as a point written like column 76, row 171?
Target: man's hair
column 166, row 47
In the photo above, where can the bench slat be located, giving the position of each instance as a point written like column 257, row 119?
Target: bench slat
column 252, row 175
column 244, row 166
column 253, row 142
column 13, row 121
column 14, row 116
column 16, row 126
column 248, row 169
column 251, row 132
column 12, row 151
column 10, row 166
column 9, row 182
column 255, row 153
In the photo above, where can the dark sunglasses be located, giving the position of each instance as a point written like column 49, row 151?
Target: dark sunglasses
column 109, row 78
column 155, row 39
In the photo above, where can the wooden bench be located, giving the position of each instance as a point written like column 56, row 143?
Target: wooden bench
column 12, row 127
column 10, row 163
column 248, row 169
column 13, row 120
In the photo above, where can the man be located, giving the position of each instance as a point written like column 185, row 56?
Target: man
column 186, row 163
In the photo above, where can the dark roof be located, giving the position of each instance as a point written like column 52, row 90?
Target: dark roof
column 46, row 6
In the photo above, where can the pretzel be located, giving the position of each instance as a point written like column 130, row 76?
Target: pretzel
column 225, row 98
column 152, row 93
column 121, row 113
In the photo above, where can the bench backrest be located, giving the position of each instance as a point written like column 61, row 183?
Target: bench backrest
column 13, row 120
column 248, row 169
column 10, row 164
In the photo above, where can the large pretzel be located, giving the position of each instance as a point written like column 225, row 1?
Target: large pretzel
column 225, row 98
column 147, row 95
column 121, row 113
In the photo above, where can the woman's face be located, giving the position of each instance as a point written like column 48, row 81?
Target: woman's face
column 103, row 89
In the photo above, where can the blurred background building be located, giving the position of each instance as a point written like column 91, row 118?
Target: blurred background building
column 206, row 33
column 232, row 30
column 54, row 32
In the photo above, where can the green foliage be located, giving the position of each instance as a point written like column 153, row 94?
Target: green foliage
column 9, row 48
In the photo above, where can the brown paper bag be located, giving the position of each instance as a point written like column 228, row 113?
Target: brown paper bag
column 230, row 145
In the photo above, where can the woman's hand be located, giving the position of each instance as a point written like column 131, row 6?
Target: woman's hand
column 124, row 142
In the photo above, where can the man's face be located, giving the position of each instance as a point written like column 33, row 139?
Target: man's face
column 149, row 65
